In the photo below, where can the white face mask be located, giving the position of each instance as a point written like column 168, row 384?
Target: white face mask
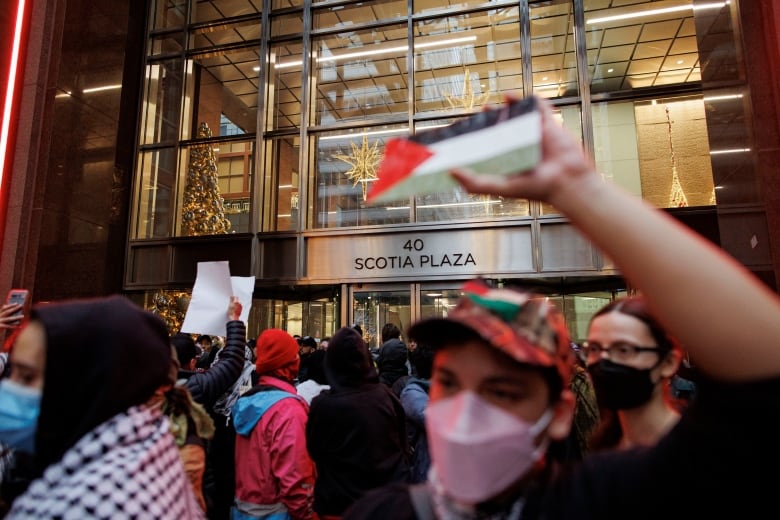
column 478, row 449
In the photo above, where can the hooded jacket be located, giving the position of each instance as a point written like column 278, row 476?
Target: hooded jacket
column 105, row 359
column 366, row 447
column 392, row 361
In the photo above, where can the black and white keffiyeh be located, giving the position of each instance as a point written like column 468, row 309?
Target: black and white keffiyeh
column 127, row 467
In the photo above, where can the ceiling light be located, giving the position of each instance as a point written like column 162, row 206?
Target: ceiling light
column 653, row 12
column 719, row 98
column 101, row 89
column 610, row 70
column 383, row 50
column 732, row 150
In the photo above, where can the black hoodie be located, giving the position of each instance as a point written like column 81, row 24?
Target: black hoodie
column 356, row 433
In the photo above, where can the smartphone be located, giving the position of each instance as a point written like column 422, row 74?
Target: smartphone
column 22, row 297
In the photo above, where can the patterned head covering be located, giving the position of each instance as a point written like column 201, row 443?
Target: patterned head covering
column 523, row 325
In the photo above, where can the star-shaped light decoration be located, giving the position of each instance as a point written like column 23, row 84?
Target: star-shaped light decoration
column 364, row 161
column 468, row 99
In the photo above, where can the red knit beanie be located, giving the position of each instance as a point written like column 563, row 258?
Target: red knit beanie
column 276, row 350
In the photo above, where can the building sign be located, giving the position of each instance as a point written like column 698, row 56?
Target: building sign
column 452, row 252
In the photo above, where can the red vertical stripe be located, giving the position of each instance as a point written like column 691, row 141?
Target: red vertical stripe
column 10, row 108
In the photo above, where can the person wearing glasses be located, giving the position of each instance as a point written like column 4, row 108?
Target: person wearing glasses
column 631, row 360
column 499, row 395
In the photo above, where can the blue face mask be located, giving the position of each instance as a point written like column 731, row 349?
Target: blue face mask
column 19, row 409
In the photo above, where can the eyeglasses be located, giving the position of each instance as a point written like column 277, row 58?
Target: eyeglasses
column 619, row 352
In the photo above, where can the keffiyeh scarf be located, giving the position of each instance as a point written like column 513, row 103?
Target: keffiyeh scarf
column 128, row 467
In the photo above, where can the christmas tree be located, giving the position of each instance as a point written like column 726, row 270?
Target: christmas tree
column 171, row 306
column 203, row 212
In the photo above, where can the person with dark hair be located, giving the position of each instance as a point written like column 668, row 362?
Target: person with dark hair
column 206, row 389
column 414, row 399
column 500, row 386
column 80, row 395
column 308, row 346
column 356, row 432
column 391, row 362
column 192, row 427
column 205, row 347
column 631, row 360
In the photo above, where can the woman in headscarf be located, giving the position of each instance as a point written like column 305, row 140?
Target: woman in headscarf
column 83, row 375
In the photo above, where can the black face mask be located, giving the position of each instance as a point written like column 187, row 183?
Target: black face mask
column 620, row 387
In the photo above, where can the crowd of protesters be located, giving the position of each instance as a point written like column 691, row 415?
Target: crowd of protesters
column 489, row 412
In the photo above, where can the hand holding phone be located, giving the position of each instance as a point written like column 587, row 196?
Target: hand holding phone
column 16, row 305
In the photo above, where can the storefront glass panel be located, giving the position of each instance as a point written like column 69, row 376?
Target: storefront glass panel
column 286, row 24
column 644, row 44
column 286, row 79
column 570, row 118
column 230, row 33
column 282, row 211
column 373, row 309
column 657, row 149
column 316, row 318
column 350, row 15
column 155, row 188
column 167, row 44
column 553, row 58
column 346, row 165
column 162, row 102
column 361, row 75
column 437, row 303
column 222, row 85
column 466, row 62
column 218, row 10
column 167, row 14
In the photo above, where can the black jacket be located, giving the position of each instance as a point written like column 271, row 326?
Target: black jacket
column 206, row 387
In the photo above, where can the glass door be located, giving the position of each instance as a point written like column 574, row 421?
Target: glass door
column 372, row 308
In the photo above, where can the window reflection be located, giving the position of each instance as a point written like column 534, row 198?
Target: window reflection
column 461, row 65
column 346, row 165
column 657, row 149
column 220, row 9
column 223, row 83
column 645, row 44
column 285, row 96
column 155, row 185
column 361, row 75
column 437, row 303
column 554, row 62
column 282, row 213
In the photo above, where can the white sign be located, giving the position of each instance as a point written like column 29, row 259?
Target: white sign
column 207, row 312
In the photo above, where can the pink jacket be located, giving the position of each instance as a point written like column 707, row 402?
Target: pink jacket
column 272, row 463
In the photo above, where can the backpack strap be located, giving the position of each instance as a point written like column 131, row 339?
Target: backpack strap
column 421, row 501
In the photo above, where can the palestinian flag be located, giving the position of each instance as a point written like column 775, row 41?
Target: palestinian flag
column 499, row 141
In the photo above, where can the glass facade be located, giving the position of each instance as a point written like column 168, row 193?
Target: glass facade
column 299, row 112
column 344, row 78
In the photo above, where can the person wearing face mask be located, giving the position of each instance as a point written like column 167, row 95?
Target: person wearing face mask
column 82, row 399
column 499, row 392
column 631, row 361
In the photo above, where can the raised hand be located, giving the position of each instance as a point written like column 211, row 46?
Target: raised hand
column 234, row 309
column 9, row 319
